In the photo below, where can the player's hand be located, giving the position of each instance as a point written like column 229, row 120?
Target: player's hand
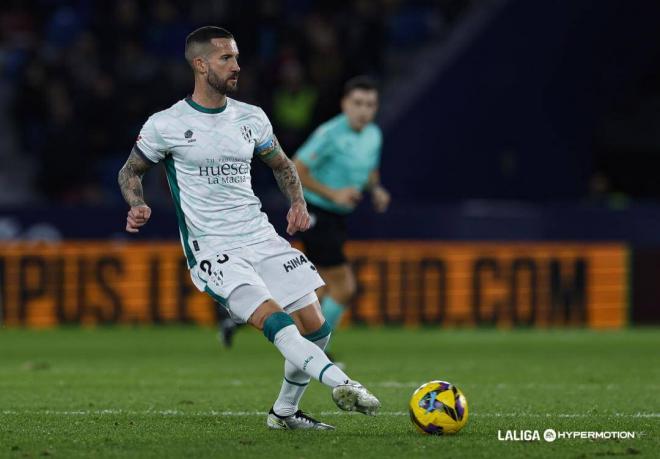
column 380, row 198
column 297, row 218
column 137, row 217
column 347, row 197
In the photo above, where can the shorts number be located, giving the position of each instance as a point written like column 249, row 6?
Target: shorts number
column 205, row 265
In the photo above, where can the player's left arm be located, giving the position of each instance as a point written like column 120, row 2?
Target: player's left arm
column 379, row 195
column 288, row 181
column 130, row 184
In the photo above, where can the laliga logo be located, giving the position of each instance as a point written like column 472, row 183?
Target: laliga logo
column 518, row 435
column 549, row 435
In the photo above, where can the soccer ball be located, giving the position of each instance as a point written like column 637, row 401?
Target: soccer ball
column 438, row 408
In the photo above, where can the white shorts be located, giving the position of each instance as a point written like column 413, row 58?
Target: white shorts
column 281, row 272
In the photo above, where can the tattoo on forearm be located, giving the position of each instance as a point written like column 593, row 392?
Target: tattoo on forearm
column 130, row 179
column 285, row 173
column 288, row 180
column 284, row 170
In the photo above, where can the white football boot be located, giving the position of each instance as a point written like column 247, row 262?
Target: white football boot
column 297, row 420
column 353, row 396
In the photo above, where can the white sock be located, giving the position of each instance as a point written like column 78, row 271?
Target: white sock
column 307, row 357
column 294, row 384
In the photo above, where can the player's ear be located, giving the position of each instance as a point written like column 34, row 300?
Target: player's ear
column 200, row 64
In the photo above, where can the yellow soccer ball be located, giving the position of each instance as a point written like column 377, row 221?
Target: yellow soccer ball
column 438, row 408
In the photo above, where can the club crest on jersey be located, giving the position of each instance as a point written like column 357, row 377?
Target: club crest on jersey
column 188, row 134
column 294, row 263
column 246, row 132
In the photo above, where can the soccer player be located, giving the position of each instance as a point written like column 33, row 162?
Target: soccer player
column 340, row 160
column 206, row 143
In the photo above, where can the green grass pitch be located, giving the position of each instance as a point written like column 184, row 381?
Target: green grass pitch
column 174, row 392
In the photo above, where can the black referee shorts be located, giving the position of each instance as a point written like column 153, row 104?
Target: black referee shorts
column 324, row 241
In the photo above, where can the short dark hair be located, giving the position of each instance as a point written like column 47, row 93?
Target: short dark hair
column 360, row 82
column 202, row 36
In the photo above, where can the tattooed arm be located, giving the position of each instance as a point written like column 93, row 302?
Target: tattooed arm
column 130, row 183
column 289, row 183
column 286, row 176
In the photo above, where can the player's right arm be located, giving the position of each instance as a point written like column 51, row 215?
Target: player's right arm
column 130, row 183
column 347, row 197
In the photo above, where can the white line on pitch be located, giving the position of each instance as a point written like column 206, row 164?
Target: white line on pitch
column 324, row 413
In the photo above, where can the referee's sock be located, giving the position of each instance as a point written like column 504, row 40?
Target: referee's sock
column 332, row 311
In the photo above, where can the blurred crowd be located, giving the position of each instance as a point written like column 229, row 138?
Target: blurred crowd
column 79, row 78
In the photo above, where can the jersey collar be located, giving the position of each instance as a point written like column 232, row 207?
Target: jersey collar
column 202, row 109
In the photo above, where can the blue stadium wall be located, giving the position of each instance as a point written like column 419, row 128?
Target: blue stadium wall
column 513, row 116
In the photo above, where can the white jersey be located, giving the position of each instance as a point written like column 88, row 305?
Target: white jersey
column 207, row 155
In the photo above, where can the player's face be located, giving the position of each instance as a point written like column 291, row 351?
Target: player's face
column 360, row 106
column 223, row 66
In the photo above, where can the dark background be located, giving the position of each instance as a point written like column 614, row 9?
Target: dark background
column 502, row 119
column 538, row 119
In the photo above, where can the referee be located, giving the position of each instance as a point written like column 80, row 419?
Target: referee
column 338, row 162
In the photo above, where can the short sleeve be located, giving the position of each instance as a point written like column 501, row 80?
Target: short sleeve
column 265, row 143
column 150, row 143
column 315, row 148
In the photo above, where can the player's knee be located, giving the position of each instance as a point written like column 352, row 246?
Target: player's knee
column 263, row 313
column 307, row 313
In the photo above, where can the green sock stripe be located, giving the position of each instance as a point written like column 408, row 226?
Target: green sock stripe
column 275, row 323
column 323, row 371
column 322, row 332
column 296, row 383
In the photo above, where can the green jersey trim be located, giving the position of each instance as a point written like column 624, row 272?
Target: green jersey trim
column 181, row 220
column 202, row 109
column 218, row 299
